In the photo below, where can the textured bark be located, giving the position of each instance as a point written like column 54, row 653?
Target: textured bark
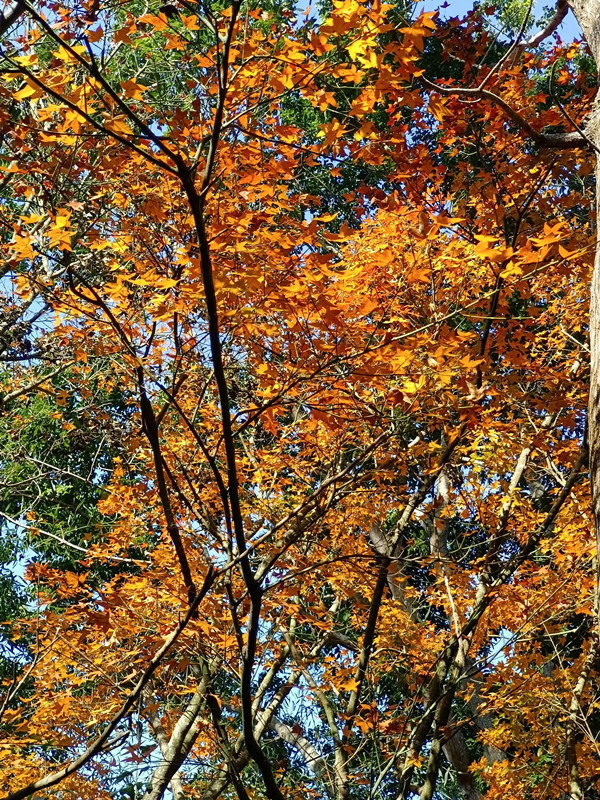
column 576, row 790
column 313, row 758
column 456, row 751
column 181, row 742
column 587, row 13
column 163, row 742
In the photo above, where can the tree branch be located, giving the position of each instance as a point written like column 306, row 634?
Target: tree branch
column 556, row 141
column 98, row 745
column 9, row 16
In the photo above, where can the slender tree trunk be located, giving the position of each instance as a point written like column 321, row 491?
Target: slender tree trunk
column 587, row 13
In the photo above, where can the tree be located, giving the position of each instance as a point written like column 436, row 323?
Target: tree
column 313, row 376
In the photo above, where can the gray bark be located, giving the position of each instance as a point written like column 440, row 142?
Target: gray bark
column 314, row 760
column 587, row 13
column 181, row 742
column 163, row 743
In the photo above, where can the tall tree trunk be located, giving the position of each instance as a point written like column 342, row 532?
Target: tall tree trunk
column 587, row 13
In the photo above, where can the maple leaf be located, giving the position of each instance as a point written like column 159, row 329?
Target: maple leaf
column 293, row 387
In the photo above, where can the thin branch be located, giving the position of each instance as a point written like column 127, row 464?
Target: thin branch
column 557, row 141
column 98, row 745
column 9, row 16
column 6, row 398
column 35, row 530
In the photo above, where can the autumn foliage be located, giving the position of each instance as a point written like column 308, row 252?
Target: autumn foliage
column 293, row 405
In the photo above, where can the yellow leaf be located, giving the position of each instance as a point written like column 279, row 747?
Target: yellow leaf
column 159, row 22
column 31, row 90
column 436, row 108
column 133, row 89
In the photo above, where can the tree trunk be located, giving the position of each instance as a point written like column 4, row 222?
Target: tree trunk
column 587, row 13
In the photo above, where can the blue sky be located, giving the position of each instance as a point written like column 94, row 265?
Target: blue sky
column 568, row 30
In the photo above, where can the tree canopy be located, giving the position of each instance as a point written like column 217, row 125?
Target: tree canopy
column 299, row 401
